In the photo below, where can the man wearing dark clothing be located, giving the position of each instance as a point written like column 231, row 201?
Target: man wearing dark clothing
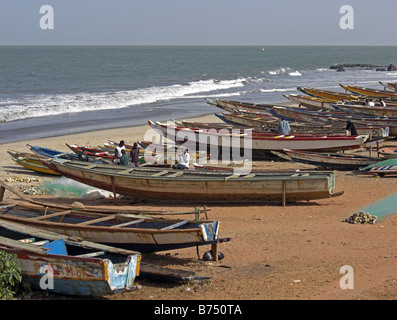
column 351, row 127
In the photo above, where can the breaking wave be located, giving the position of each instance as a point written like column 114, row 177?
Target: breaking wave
column 27, row 106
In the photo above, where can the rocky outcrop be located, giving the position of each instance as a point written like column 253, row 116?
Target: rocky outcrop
column 392, row 67
column 367, row 66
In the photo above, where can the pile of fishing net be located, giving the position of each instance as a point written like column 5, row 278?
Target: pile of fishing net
column 361, row 217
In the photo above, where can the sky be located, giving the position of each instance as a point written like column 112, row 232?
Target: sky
column 199, row 22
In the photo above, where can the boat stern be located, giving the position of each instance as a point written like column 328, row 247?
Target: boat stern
column 210, row 230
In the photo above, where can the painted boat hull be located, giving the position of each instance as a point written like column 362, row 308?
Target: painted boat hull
column 371, row 92
column 332, row 161
column 199, row 186
column 327, row 94
column 373, row 111
column 72, row 274
column 312, row 102
column 149, row 237
column 35, row 165
column 383, row 170
column 202, row 140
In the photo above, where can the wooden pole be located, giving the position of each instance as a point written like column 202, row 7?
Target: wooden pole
column 214, row 251
column 2, row 191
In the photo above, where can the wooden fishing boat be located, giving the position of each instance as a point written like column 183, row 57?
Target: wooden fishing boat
column 250, row 121
column 371, row 93
column 389, row 86
column 335, row 121
column 94, row 209
column 233, row 106
column 72, row 266
column 299, row 127
column 337, row 161
column 34, row 165
column 51, row 153
column 312, row 102
column 17, row 154
column 194, row 186
column 91, row 152
column 202, row 139
column 383, row 170
column 328, row 94
column 377, row 111
column 388, row 152
column 119, row 230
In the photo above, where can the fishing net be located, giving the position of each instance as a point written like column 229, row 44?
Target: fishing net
column 376, row 211
column 67, row 188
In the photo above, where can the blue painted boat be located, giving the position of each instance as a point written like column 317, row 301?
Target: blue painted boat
column 50, row 153
column 67, row 265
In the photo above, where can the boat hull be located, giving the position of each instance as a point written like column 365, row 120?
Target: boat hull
column 208, row 188
column 204, row 139
column 332, row 161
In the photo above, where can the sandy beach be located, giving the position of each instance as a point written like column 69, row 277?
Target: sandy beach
column 292, row 252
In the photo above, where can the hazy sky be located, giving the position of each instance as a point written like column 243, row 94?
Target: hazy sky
column 199, row 22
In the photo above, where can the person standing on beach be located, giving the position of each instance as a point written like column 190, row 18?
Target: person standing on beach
column 134, row 155
column 351, row 128
column 117, row 151
column 283, row 127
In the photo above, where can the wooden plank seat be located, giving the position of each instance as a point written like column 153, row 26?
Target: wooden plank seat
column 46, row 216
column 175, row 225
column 158, row 174
column 110, row 217
column 127, row 223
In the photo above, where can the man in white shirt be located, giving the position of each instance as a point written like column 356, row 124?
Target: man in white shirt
column 184, row 159
column 117, row 151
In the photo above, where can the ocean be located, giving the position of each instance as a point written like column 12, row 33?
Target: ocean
column 54, row 90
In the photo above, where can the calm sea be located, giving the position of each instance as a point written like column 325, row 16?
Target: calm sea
column 47, row 91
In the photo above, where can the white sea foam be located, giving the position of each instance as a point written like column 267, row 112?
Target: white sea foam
column 295, row 74
column 53, row 104
column 285, row 70
column 277, row 90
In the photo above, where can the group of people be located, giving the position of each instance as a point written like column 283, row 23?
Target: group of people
column 125, row 159
column 122, row 158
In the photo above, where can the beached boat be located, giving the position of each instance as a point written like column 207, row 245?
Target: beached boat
column 335, row 121
column 388, row 152
column 384, row 170
column 312, row 102
column 202, row 139
column 377, row 111
column 34, row 165
column 389, row 85
column 338, row 161
column 90, row 152
column 239, row 106
column 71, row 265
column 120, row 230
column 193, row 186
column 51, row 153
column 371, row 93
column 328, row 94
